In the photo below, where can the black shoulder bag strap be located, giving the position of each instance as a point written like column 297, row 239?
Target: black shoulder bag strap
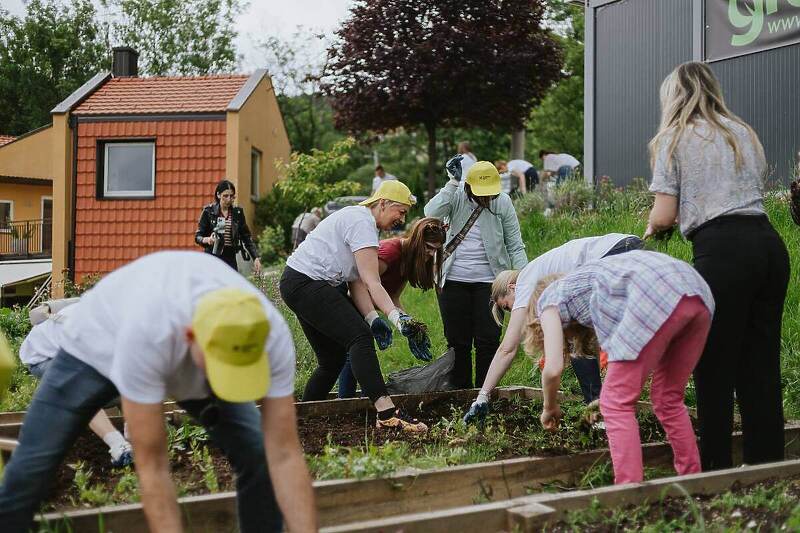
column 451, row 246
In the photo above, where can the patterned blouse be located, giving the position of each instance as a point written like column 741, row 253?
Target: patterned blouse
column 626, row 298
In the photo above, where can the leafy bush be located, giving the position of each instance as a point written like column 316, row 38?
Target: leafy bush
column 635, row 198
column 73, row 289
column 303, row 185
column 572, row 196
column 529, row 203
column 271, row 245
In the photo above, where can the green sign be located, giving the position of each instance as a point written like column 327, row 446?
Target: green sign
column 738, row 27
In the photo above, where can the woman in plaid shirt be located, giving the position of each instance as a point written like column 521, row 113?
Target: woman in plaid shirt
column 651, row 314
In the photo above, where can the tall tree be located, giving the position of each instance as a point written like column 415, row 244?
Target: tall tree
column 557, row 122
column 183, row 37
column 44, row 57
column 436, row 63
column 295, row 65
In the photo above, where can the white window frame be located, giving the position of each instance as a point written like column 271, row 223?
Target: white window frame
column 10, row 214
column 129, row 194
column 255, row 194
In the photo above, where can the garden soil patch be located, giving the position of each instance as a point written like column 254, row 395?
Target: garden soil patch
column 766, row 506
column 512, row 428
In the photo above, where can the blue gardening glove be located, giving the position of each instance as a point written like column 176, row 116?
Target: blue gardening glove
column 380, row 330
column 453, row 167
column 478, row 410
column 418, row 341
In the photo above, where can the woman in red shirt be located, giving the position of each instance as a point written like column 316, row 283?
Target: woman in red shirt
column 414, row 260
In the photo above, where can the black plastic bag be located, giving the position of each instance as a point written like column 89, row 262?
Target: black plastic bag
column 436, row 376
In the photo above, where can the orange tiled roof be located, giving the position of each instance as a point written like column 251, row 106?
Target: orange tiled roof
column 129, row 96
column 5, row 139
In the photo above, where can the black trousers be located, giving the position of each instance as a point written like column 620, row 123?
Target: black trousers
column 334, row 328
column 744, row 261
column 467, row 318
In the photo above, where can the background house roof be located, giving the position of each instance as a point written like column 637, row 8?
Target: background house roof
column 5, row 139
column 127, row 96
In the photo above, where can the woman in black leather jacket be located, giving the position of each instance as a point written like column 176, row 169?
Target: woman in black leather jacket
column 223, row 221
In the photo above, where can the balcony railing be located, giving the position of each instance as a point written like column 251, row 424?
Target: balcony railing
column 26, row 239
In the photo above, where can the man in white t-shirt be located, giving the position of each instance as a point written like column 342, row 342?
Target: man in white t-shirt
column 180, row 325
column 468, row 158
column 37, row 352
column 380, row 177
column 560, row 165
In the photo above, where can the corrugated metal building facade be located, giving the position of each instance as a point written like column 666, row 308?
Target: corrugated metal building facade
column 631, row 46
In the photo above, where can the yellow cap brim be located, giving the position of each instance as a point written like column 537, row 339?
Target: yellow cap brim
column 238, row 383
column 485, row 190
column 373, row 198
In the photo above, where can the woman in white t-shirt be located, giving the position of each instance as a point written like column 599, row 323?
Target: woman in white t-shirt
column 344, row 249
column 492, row 244
column 512, row 291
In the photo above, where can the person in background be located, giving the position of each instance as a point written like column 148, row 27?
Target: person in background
column 484, row 239
column 412, row 260
column 223, row 220
column 37, row 352
column 524, row 172
column 305, row 224
column 708, row 174
column 344, row 249
column 467, row 157
column 512, row 289
column 182, row 325
column 560, row 165
column 380, row 177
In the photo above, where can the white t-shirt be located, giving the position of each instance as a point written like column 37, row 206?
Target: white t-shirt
column 518, row 165
column 131, row 327
column 466, row 162
column 563, row 259
column 470, row 263
column 41, row 343
column 377, row 180
column 553, row 162
column 327, row 252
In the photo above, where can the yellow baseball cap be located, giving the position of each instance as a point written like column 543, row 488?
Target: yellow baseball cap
column 483, row 179
column 393, row 190
column 231, row 327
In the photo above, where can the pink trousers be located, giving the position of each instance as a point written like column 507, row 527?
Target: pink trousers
column 670, row 356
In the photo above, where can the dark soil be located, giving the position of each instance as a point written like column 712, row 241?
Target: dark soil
column 517, row 419
column 765, row 506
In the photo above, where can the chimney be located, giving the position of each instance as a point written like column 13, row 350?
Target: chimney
column 125, row 62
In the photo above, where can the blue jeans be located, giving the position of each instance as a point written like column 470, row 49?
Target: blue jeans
column 588, row 373
column 347, row 381
column 564, row 172
column 70, row 394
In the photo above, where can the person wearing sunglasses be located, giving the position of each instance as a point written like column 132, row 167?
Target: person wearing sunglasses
column 414, row 260
column 222, row 230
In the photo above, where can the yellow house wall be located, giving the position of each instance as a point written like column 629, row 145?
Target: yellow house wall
column 28, row 157
column 259, row 125
column 27, row 199
column 61, row 150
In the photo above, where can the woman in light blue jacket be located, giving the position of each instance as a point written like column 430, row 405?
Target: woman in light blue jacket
column 490, row 245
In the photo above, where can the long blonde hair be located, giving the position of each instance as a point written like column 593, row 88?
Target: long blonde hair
column 692, row 92
column 500, row 288
column 582, row 340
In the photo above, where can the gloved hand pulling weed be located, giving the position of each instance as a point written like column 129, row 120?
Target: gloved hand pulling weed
column 478, row 410
column 380, row 330
column 417, row 334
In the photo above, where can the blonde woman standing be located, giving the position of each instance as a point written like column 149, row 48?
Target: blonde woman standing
column 708, row 174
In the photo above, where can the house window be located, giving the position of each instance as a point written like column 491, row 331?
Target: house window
column 255, row 173
column 128, row 169
column 6, row 214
